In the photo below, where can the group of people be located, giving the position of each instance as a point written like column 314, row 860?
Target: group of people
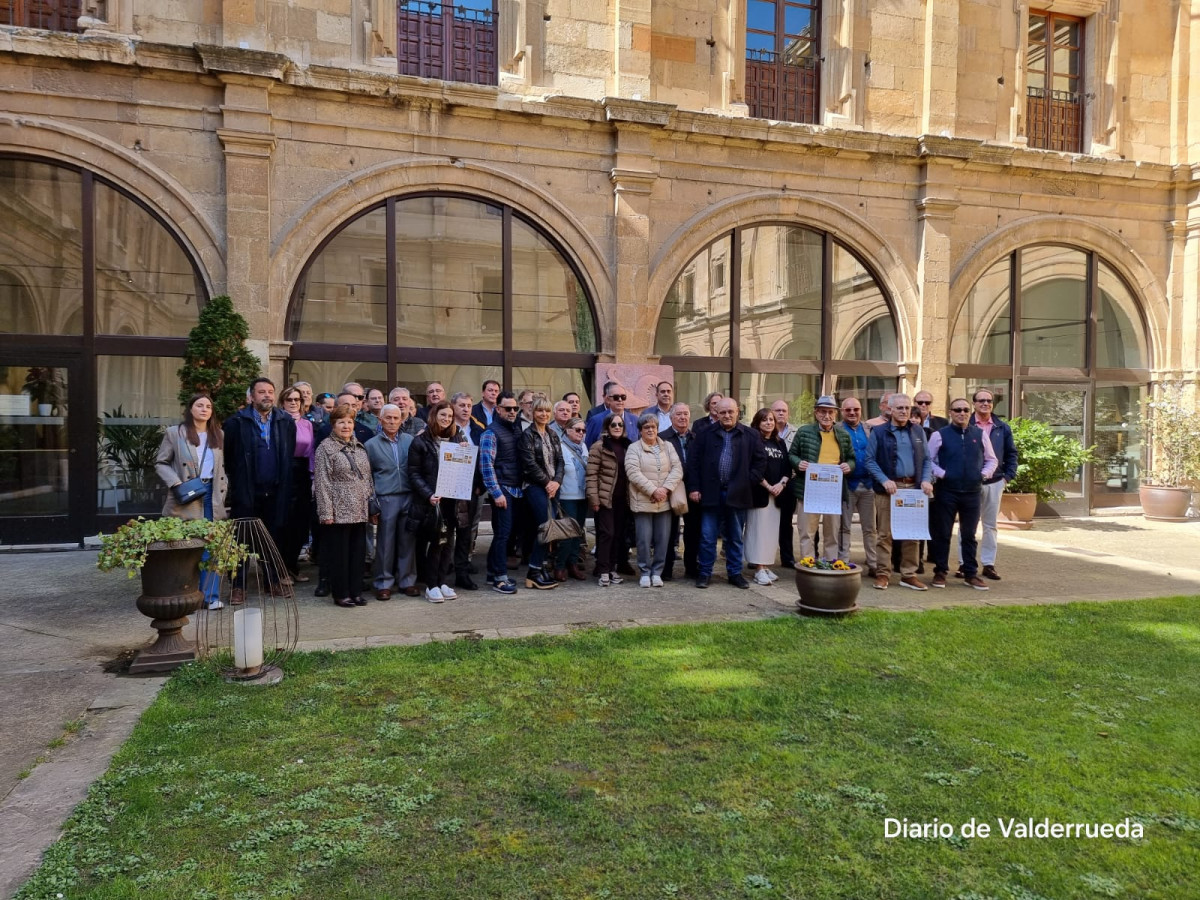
column 327, row 467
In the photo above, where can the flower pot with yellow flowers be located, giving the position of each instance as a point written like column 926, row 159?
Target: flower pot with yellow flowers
column 827, row 588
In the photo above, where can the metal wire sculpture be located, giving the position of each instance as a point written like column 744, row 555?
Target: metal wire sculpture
column 243, row 649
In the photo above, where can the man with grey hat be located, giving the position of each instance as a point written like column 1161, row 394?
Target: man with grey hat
column 819, row 442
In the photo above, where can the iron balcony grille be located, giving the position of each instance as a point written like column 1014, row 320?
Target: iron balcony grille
column 451, row 43
column 1054, row 119
column 781, row 88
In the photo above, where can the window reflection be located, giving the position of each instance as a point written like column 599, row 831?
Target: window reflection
column 550, row 308
column 695, row 317
column 1053, row 306
column 344, row 289
column 781, row 292
column 136, row 399
column 761, row 389
column 981, row 331
column 1120, row 338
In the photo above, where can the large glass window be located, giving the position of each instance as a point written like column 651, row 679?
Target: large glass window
column 100, row 290
column 807, row 314
column 1080, row 357
column 467, row 290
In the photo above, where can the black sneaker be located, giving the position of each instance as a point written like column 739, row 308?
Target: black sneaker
column 466, row 583
column 702, row 581
column 322, row 588
column 739, row 582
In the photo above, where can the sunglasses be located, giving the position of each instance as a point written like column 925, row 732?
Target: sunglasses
column 616, row 426
column 961, row 409
column 924, row 402
column 507, row 408
column 357, row 396
column 616, row 396
column 983, row 401
column 580, row 429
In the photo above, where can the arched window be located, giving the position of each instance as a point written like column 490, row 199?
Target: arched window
column 97, row 295
column 1060, row 336
column 442, row 287
column 774, row 311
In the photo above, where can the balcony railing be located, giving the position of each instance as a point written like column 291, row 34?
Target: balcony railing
column 452, row 43
column 1054, row 120
column 779, row 89
column 53, row 15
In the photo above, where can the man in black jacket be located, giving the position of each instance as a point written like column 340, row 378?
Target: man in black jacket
column 260, row 441
column 724, row 462
column 923, row 400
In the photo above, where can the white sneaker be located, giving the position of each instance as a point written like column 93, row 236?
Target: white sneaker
column 761, row 577
column 771, row 575
column 603, row 579
column 216, row 604
column 447, row 593
column 656, row 581
column 434, row 595
column 614, row 578
column 644, row 581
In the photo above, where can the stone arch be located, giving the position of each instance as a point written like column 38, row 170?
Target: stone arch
column 1085, row 235
column 692, row 236
column 324, row 214
column 61, row 142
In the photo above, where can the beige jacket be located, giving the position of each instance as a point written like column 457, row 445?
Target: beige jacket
column 177, row 462
column 647, row 471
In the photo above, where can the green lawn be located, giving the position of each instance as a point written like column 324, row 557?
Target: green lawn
column 719, row 761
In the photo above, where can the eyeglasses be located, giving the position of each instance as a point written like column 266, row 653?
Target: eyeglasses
column 616, row 426
column 924, row 402
column 961, row 409
column 847, row 409
column 507, row 408
column 616, row 396
column 983, row 401
column 580, row 429
column 901, row 408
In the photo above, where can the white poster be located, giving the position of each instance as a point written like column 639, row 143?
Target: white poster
column 456, row 470
column 910, row 515
column 822, row 489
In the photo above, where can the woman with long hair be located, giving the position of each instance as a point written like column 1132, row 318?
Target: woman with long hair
column 653, row 469
column 190, row 450
column 607, row 492
column 762, row 522
column 573, row 497
column 343, row 488
column 435, row 549
column 542, row 468
column 295, row 530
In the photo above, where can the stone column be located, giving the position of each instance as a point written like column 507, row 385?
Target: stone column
column 248, row 141
column 937, row 199
column 634, row 176
column 939, row 106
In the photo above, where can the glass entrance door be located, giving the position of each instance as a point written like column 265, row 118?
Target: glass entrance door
column 1066, row 408
column 40, row 497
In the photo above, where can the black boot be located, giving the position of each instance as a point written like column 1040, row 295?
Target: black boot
column 322, row 588
column 538, row 578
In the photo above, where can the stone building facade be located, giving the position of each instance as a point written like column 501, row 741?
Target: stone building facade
column 976, row 191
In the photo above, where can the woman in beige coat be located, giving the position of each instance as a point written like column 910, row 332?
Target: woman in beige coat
column 653, row 469
column 193, row 450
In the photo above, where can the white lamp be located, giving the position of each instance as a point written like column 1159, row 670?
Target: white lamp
column 248, row 639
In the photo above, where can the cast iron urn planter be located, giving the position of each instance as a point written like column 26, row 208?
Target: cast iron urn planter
column 828, row 592
column 170, row 591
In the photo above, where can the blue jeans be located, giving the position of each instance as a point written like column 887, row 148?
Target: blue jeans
column 729, row 524
column 539, row 505
column 568, row 551
column 210, row 582
column 502, row 520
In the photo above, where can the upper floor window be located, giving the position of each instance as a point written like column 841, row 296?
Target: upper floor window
column 53, row 15
column 1054, row 84
column 782, row 72
column 451, row 42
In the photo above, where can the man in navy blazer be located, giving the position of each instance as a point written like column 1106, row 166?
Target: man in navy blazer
column 724, row 462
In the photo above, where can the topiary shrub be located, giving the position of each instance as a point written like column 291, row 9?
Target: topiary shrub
column 217, row 361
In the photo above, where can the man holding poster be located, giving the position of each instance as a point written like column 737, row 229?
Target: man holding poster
column 829, row 452
column 897, row 458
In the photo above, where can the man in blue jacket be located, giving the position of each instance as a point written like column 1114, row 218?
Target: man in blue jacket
column 962, row 460
column 725, row 461
column 997, row 431
column 395, row 545
column 897, row 457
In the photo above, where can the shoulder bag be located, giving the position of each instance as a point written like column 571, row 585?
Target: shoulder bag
column 194, row 488
column 558, row 527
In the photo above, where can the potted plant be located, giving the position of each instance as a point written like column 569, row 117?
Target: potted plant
column 168, row 553
column 217, row 361
column 129, row 443
column 1171, row 426
column 827, row 588
column 1043, row 459
column 46, row 388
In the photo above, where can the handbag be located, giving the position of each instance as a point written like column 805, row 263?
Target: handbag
column 194, row 488
column 679, row 498
column 558, row 527
column 373, row 508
